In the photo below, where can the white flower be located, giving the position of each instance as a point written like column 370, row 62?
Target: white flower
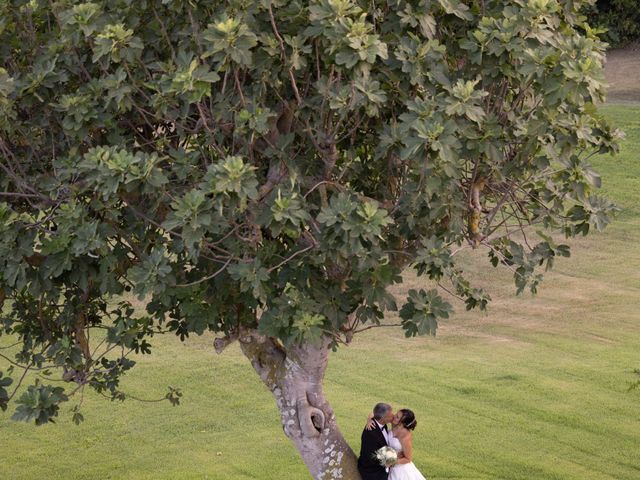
column 386, row 456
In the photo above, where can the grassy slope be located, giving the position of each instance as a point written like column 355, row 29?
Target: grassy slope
column 535, row 389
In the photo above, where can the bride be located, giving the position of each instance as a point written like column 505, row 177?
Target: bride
column 401, row 440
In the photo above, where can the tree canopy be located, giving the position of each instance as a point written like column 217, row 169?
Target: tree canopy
column 266, row 170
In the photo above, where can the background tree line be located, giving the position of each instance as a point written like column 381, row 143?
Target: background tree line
column 621, row 19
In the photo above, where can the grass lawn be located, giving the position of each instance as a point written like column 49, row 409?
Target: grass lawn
column 535, row 389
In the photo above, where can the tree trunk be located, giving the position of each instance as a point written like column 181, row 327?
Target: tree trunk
column 294, row 376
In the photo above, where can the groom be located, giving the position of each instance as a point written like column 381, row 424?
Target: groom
column 372, row 440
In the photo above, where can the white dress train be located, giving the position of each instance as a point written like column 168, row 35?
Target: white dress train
column 404, row 471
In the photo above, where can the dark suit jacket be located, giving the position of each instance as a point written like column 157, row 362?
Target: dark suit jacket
column 368, row 466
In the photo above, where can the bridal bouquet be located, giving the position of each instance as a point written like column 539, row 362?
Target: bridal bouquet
column 387, row 456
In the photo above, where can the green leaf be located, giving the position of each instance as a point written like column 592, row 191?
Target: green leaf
column 232, row 176
column 457, row 8
column 40, row 403
column 421, row 312
column 118, row 43
column 229, row 39
column 4, row 395
column 253, row 277
column 153, row 275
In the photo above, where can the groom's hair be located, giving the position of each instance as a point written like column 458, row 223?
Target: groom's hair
column 380, row 410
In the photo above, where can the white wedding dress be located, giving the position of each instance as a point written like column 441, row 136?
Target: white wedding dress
column 404, row 471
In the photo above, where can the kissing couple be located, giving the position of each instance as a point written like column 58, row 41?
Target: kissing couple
column 386, row 454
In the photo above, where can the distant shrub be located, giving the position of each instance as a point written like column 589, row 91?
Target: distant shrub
column 621, row 18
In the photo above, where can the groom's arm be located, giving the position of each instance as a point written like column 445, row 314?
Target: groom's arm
column 369, row 445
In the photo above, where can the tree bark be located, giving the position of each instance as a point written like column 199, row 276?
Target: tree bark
column 294, row 376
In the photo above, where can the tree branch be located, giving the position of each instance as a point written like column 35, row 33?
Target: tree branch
column 220, row 343
column 290, row 258
column 378, row 326
column 209, row 277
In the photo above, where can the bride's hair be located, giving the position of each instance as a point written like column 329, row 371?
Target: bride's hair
column 408, row 419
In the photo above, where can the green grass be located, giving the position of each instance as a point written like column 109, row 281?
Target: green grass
column 535, row 389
